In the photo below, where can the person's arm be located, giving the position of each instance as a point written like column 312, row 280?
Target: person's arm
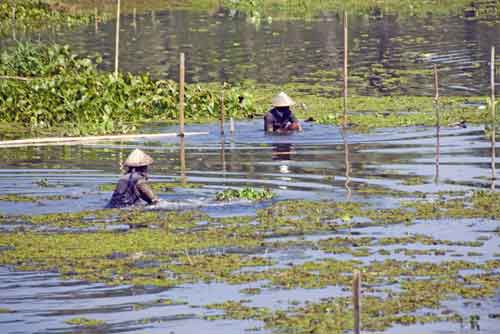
column 268, row 123
column 294, row 124
column 146, row 193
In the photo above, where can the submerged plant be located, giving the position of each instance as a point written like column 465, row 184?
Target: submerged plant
column 245, row 193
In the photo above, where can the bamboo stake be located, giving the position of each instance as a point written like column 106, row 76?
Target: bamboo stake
column 346, row 58
column 63, row 140
column 222, row 111
column 356, row 300
column 134, row 19
column 181, row 95
column 96, row 19
column 231, row 125
column 438, row 122
column 14, row 37
column 493, row 116
column 117, row 41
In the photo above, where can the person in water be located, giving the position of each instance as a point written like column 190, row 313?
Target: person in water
column 280, row 119
column 132, row 187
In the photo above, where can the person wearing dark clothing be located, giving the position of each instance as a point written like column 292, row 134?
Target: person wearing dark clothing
column 132, row 187
column 281, row 119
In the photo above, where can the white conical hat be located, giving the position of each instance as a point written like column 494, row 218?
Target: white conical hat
column 282, row 100
column 137, row 159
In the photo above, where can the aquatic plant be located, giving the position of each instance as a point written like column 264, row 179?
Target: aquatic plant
column 66, row 94
column 35, row 14
column 85, row 322
column 245, row 193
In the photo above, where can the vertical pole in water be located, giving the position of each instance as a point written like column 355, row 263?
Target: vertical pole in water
column 493, row 118
column 438, row 121
column 117, row 41
column 14, row 22
column 96, row 20
column 181, row 96
column 222, row 111
column 346, row 58
column 356, row 301
column 231, row 125
column 134, row 19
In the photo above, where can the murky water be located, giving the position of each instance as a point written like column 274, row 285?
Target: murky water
column 225, row 47
column 308, row 165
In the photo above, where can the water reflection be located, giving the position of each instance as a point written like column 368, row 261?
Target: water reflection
column 182, row 159
column 229, row 48
column 283, row 151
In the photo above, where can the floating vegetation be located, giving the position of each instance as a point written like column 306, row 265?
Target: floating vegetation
column 35, row 199
column 31, row 14
column 66, row 94
column 85, row 322
column 250, row 194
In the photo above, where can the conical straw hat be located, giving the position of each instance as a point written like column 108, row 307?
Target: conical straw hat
column 137, row 159
column 282, row 100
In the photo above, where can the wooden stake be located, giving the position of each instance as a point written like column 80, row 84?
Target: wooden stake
column 181, row 95
column 231, row 125
column 356, row 301
column 117, row 40
column 14, row 23
column 346, row 59
column 96, row 19
column 493, row 116
column 134, row 19
column 222, row 111
column 438, row 121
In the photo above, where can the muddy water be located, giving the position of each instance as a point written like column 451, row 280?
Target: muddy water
column 224, row 46
column 308, row 165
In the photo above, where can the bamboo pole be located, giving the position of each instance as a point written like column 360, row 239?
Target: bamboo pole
column 64, row 140
column 117, row 39
column 346, row 59
column 222, row 113
column 493, row 116
column 356, row 301
column 96, row 19
column 14, row 37
column 181, row 95
column 231, row 125
column 134, row 19
column 438, row 122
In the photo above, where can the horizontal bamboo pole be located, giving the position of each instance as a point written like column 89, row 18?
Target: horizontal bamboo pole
column 64, row 140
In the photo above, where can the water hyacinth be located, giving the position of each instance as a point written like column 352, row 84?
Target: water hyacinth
column 69, row 95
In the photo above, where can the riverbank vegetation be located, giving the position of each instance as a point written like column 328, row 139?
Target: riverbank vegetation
column 49, row 90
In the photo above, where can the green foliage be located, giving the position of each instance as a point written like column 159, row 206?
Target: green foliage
column 68, row 95
column 246, row 193
column 85, row 322
column 34, row 14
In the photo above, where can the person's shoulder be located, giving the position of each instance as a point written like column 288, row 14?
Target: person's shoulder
column 269, row 113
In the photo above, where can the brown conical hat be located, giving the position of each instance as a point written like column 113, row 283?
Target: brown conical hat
column 282, row 100
column 137, row 159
